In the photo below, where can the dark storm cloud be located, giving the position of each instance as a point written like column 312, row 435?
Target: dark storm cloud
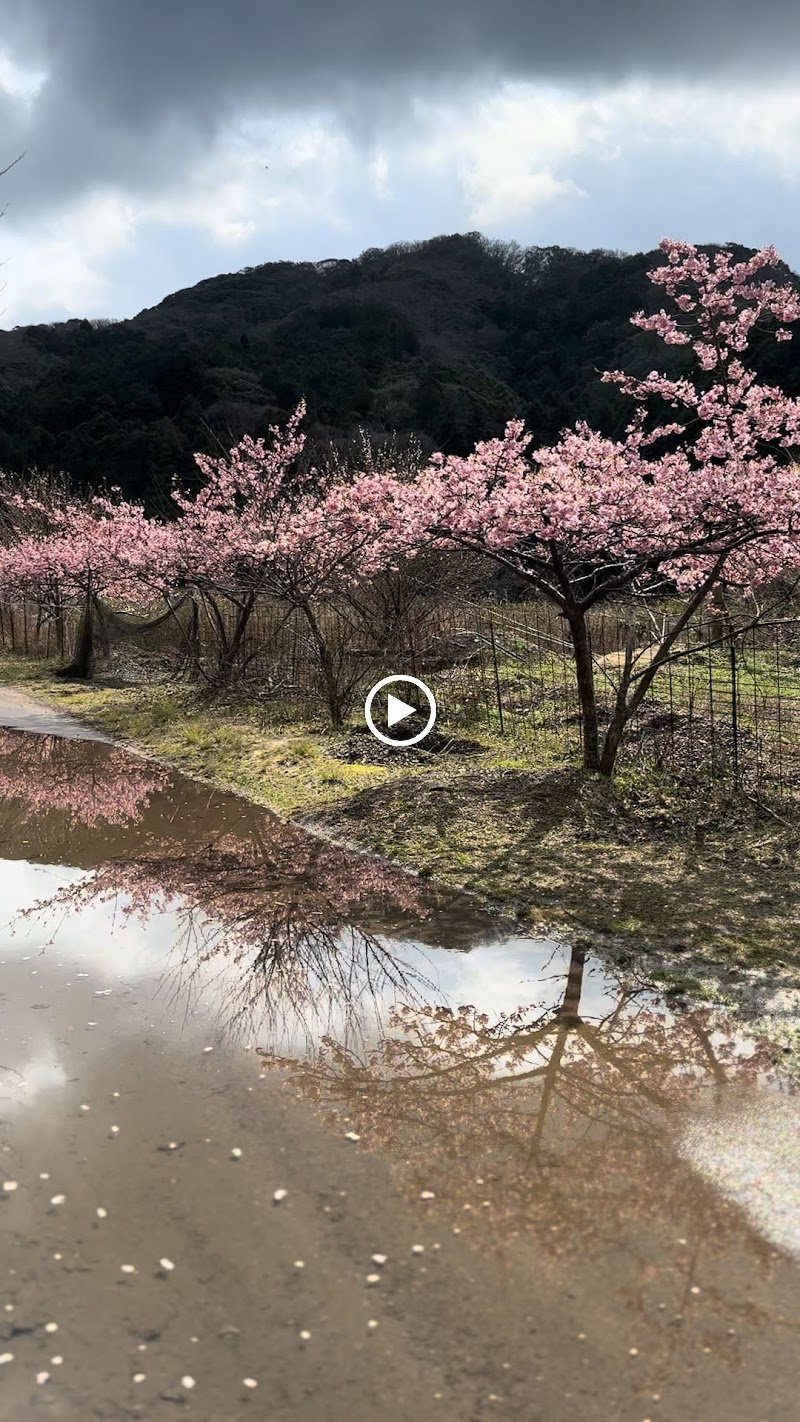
column 137, row 88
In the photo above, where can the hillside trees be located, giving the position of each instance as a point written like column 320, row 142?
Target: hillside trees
column 488, row 336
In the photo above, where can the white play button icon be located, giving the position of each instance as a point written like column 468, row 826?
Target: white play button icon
column 397, row 710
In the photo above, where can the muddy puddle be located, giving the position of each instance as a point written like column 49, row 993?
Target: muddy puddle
column 284, row 1134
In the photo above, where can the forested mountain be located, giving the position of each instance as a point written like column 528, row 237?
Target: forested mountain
column 446, row 339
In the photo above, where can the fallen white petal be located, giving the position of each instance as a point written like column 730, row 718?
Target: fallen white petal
column 428, row 1195
column 51, row 1328
column 57, row 1199
column 101, row 1213
column 9, row 1185
column 187, row 1381
column 249, row 1382
column 352, row 1136
column 42, row 1377
column 166, row 1264
column 280, row 1195
column 236, row 1152
column 6, row 1358
column 379, row 1258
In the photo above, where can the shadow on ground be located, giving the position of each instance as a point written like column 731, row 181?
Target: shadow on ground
column 573, row 850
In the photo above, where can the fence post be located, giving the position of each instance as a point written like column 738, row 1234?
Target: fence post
column 496, row 676
column 734, row 714
column 778, row 706
column 709, row 635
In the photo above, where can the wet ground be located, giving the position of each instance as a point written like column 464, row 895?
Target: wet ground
column 284, row 1135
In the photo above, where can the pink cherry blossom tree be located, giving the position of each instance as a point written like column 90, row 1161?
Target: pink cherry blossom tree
column 712, row 494
column 64, row 551
column 262, row 526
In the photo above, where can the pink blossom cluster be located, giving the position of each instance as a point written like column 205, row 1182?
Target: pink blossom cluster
column 256, row 522
column 730, row 491
column 106, row 546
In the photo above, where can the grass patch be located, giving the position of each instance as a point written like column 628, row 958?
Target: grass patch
column 244, row 748
column 717, row 879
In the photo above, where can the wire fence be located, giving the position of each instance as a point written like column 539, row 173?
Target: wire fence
column 727, row 707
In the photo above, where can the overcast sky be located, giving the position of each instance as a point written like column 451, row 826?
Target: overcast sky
column 169, row 140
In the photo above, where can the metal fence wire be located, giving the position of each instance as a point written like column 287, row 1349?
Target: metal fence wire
column 727, row 706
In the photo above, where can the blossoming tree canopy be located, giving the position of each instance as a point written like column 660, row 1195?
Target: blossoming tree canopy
column 593, row 517
column 297, row 534
column 47, row 775
column 64, row 550
column 102, row 545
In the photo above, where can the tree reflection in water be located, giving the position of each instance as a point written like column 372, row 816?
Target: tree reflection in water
column 289, row 961
column 309, row 925
column 300, row 928
column 41, row 774
column 549, row 1126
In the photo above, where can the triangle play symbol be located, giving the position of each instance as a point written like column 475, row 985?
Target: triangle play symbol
column 398, row 710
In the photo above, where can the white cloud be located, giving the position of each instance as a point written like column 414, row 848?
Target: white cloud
column 378, row 171
column 506, row 151
column 514, row 150
column 18, row 82
column 236, row 192
column 61, row 266
column 741, row 124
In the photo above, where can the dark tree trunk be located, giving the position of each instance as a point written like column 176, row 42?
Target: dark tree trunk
column 79, row 668
column 584, row 672
column 336, row 697
column 569, row 1010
